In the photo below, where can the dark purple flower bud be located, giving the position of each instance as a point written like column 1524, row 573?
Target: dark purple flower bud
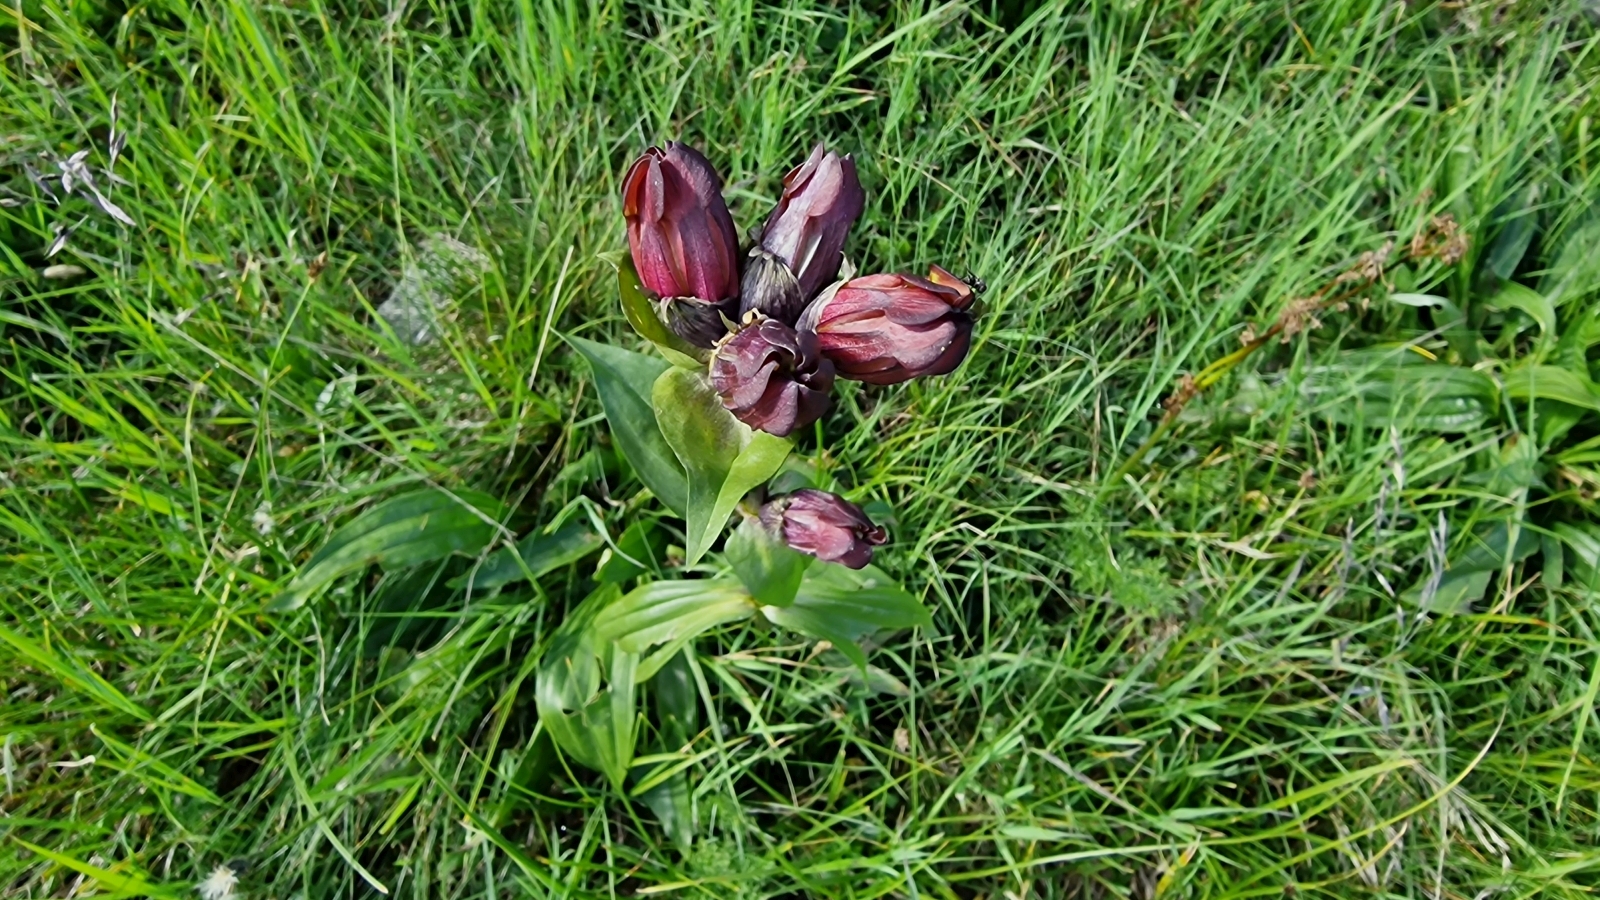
column 679, row 230
column 885, row 329
column 696, row 321
column 772, row 378
column 824, row 525
column 805, row 236
column 770, row 288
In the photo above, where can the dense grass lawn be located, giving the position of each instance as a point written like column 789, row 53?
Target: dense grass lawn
column 1334, row 632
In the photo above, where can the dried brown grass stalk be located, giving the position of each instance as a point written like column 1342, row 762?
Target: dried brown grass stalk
column 1441, row 239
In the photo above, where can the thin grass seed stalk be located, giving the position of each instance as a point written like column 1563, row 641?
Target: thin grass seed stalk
column 1441, row 239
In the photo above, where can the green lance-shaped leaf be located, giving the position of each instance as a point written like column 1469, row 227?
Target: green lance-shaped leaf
column 677, row 700
column 639, row 550
column 1510, row 244
column 1449, row 319
column 1419, row 300
column 117, row 882
column 677, row 719
column 1580, row 332
column 641, row 314
column 769, row 568
column 1576, row 271
column 624, row 380
column 723, row 457
column 1583, row 539
column 1552, row 562
column 586, row 692
column 670, row 614
column 535, row 555
column 1471, row 568
column 70, row 670
column 841, row 605
column 1491, row 549
column 1383, row 386
column 402, row 531
column 587, row 683
column 1552, row 383
column 1538, row 307
column 1512, row 295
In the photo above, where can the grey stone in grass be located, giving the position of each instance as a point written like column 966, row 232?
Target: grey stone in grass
column 443, row 270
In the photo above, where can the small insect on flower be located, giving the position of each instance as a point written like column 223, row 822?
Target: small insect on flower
column 978, row 285
column 219, row 885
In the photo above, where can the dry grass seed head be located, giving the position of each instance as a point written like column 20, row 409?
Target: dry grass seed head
column 1299, row 316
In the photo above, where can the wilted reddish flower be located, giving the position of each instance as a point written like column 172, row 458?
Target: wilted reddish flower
column 824, row 525
column 679, row 230
column 800, row 248
column 771, row 377
column 885, row 329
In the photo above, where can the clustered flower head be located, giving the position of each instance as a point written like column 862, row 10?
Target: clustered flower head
column 779, row 321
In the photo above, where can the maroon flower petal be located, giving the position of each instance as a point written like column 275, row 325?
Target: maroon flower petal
column 885, row 329
column 821, row 200
column 771, row 378
column 824, row 525
column 679, row 231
